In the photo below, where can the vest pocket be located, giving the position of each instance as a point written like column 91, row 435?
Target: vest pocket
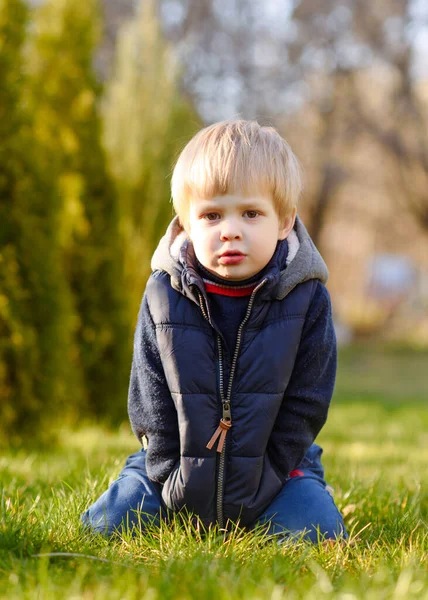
column 251, row 486
column 191, row 486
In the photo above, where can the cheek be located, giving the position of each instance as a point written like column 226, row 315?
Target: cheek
column 266, row 247
column 201, row 243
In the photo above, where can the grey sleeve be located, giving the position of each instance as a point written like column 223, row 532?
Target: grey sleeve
column 151, row 409
column 307, row 398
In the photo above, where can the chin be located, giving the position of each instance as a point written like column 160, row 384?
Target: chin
column 234, row 277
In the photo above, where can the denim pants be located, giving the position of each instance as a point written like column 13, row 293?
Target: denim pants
column 304, row 504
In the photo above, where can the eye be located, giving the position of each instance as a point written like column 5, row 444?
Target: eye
column 212, row 216
column 251, row 214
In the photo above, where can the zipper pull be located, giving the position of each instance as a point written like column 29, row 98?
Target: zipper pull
column 221, row 431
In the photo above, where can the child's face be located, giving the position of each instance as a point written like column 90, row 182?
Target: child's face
column 235, row 236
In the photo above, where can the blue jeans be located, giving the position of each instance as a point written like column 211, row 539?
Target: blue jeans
column 304, row 504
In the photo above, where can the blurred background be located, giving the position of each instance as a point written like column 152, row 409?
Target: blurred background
column 96, row 101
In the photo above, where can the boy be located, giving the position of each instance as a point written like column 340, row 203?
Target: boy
column 234, row 351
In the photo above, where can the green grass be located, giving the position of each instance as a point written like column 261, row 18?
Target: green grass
column 376, row 453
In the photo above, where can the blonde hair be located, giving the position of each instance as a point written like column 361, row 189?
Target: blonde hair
column 236, row 156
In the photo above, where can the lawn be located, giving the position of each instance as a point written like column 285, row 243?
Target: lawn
column 375, row 457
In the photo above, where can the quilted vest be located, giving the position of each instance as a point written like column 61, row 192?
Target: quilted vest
column 241, row 481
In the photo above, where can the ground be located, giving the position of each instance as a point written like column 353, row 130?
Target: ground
column 375, row 457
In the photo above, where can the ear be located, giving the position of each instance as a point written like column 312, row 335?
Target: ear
column 287, row 225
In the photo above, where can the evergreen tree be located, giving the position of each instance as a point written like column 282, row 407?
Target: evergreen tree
column 36, row 372
column 65, row 97
column 146, row 123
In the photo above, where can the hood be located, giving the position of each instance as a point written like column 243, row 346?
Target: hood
column 304, row 262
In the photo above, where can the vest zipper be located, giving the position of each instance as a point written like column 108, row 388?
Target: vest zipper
column 226, row 412
column 226, row 415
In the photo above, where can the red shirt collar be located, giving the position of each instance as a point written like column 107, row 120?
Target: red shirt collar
column 228, row 290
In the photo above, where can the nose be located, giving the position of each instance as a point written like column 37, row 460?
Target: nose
column 230, row 230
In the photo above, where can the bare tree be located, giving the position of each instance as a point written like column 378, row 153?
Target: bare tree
column 350, row 39
column 276, row 61
column 404, row 137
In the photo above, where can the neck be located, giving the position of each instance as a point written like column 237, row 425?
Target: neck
column 225, row 287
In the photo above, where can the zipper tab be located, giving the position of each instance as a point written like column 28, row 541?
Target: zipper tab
column 221, row 433
column 227, row 415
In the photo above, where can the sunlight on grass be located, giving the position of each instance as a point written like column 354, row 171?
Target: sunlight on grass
column 375, row 457
column 95, row 439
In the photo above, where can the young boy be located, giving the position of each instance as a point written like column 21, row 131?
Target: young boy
column 234, row 351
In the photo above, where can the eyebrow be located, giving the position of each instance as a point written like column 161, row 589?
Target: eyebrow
column 212, row 205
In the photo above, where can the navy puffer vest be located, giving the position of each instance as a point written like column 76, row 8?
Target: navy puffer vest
column 240, row 482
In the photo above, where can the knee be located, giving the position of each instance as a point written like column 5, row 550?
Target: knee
column 126, row 506
column 109, row 519
column 317, row 531
column 306, row 509
column 99, row 521
column 328, row 528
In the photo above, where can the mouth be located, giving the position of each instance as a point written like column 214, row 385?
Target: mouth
column 231, row 257
column 232, row 253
